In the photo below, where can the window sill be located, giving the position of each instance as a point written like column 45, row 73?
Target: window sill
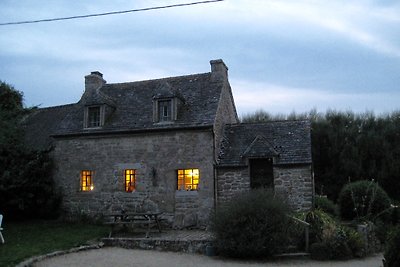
column 92, row 128
column 164, row 122
column 86, row 192
column 186, row 193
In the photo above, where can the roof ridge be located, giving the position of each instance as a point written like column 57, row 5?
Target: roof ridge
column 160, row 79
column 264, row 122
column 54, row 107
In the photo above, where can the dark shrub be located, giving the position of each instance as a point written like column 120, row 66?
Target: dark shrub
column 392, row 251
column 355, row 242
column 326, row 234
column 320, row 251
column 319, row 221
column 334, row 245
column 253, row 224
column 326, row 205
column 27, row 189
column 339, row 245
column 363, row 200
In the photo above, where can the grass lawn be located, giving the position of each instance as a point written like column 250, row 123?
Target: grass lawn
column 27, row 239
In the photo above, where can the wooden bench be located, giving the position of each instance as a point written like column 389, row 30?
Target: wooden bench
column 126, row 219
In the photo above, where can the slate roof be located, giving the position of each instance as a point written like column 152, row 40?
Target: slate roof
column 288, row 141
column 132, row 108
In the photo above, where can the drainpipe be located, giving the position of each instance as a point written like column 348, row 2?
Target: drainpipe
column 215, row 173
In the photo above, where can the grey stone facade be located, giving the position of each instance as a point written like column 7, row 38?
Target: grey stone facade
column 156, row 128
column 156, row 157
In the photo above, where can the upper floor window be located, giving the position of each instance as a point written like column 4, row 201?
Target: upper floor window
column 130, row 180
column 94, row 116
column 164, row 110
column 87, row 180
column 188, row 179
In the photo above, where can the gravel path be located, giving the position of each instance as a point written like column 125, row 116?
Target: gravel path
column 111, row 256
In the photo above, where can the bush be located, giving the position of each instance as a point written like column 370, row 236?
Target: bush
column 363, row 200
column 319, row 221
column 320, row 251
column 254, row 224
column 326, row 205
column 337, row 244
column 391, row 254
column 329, row 240
column 355, row 242
column 27, row 190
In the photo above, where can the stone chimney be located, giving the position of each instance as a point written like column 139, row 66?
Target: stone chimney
column 94, row 81
column 219, row 71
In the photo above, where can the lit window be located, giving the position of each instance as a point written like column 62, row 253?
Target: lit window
column 188, row 179
column 93, row 117
column 164, row 110
column 130, row 180
column 87, row 181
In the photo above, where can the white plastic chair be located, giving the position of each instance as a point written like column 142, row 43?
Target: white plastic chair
column 1, row 235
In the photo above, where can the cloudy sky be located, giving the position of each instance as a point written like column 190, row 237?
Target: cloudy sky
column 283, row 55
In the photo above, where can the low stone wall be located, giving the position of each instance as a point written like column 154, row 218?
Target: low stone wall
column 187, row 246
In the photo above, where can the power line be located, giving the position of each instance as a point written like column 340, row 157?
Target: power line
column 108, row 13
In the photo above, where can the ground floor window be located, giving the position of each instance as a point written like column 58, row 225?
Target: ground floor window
column 130, row 180
column 87, row 180
column 188, row 179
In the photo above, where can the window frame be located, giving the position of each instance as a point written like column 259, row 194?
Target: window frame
column 86, row 181
column 164, row 108
column 171, row 104
column 132, row 175
column 88, row 114
column 188, row 173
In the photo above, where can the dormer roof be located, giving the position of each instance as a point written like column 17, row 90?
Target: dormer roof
column 260, row 148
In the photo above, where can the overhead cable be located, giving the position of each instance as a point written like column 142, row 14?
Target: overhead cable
column 108, row 13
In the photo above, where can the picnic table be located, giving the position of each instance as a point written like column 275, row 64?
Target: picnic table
column 134, row 218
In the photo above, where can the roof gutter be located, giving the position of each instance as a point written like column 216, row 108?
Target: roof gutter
column 130, row 131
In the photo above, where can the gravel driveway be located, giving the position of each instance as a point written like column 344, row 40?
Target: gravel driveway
column 115, row 257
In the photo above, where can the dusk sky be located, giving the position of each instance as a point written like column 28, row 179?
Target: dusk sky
column 282, row 55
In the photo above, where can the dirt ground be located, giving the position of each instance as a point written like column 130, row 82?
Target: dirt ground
column 111, row 256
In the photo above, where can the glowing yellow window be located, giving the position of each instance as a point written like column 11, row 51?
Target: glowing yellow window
column 87, row 181
column 130, row 180
column 188, row 179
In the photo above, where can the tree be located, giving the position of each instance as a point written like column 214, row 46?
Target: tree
column 26, row 187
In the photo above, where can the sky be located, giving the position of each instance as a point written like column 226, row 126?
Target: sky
column 283, row 55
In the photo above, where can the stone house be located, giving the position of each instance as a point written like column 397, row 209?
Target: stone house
column 172, row 145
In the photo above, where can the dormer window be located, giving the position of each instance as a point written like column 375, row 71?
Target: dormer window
column 164, row 110
column 94, row 116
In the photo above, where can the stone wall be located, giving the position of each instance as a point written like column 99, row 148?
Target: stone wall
column 231, row 181
column 226, row 114
column 293, row 182
column 156, row 157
